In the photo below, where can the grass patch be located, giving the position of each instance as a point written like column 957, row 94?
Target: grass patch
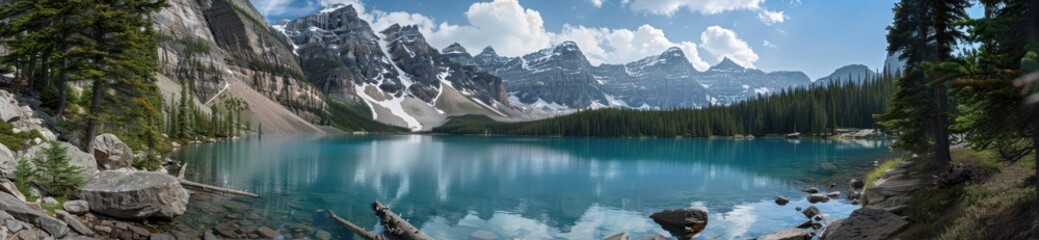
column 877, row 173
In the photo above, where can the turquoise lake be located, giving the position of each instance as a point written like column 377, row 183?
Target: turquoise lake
column 519, row 187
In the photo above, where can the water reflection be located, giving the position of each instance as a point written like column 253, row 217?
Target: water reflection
column 573, row 188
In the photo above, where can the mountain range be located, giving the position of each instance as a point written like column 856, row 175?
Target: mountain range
column 294, row 66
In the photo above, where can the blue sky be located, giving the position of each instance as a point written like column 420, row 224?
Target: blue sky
column 814, row 36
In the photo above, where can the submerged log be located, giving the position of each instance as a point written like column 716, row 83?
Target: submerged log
column 394, row 227
column 215, row 189
column 353, row 227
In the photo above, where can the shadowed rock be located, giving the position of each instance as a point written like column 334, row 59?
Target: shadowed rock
column 682, row 223
column 135, row 195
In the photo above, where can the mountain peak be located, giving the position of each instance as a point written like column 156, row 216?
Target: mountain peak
column 455, row 48
column 567, row 46
column 488, row 51
column 672, row 52
column 727, row 65
column 335, row 7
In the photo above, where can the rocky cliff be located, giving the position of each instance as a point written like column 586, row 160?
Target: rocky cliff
column 406, row 81
column 224, row 47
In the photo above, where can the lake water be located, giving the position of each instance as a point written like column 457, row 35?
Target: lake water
column 517, row 187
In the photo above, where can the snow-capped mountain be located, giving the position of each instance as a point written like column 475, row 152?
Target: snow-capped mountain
column 559, row 75
column 396, row 72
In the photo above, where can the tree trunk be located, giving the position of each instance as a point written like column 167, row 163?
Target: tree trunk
column 95, row 109
column 62, row 91
column 30, row 73
column 45, row 72
column 941, row 128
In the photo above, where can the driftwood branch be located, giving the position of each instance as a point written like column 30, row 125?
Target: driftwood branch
column 394, row 226
column 210, row 188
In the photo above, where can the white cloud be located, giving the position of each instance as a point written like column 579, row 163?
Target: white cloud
column 602, row 45
column 768, row 44
column 597, row 3
column 722, row 43
column 772, row 17
column 706, row 7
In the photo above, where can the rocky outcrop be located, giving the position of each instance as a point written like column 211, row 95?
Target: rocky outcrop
column 866, row 224
column 22, row 212
column 135, row 195
column 111, row 153
column 682, row 223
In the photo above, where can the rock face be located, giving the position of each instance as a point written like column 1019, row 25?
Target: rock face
column 19, row 210
column 112, row 153
column 682, row 223
column 224, row 44
column 135, row 195
column 866, row 224
column 560, row 75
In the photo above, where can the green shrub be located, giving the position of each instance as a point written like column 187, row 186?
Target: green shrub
column 54, row 172
column 23, row 175
column 16, row 141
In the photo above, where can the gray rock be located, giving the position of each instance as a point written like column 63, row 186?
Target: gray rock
column 112, row 153
column 810, row 190
column 8, row 163
column 21, row 211
column 782, row 200
column 77, row 207
column 816, row 197
column 789, row 234
column 866, row 224
column 833, row 194
column 49, row 202
column 681, row 222
column 9, row 109
column 135, row 195
column 856, row 184
column 9, row 187
column 76, row 157
column 811, row 212
column 74, row 223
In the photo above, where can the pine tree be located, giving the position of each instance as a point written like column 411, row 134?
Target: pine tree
column 54, row 172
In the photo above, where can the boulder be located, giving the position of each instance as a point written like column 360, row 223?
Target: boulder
column 856, row 184
column 49, row 202
column 789, row 234
column 811, row 212
column 112, row 153
column 8, row 163
column 782, row 200
column 682, row 223
column 816, row 197
column 77, row 207
column 135, row 195
column 76, row 157
column 833, row 194
column 21, row 211
column 810, row 190
column 74, row 223
column 866, row 224
column 956, row 174
column 9, row 109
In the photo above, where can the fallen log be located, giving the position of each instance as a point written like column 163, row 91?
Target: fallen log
column 182, row 169
column 353, row 227
column 394, row 227
column 215, row 189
